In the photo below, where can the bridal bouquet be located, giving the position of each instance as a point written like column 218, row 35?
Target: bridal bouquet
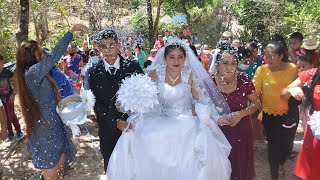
column 314, row 124
column 137, row 94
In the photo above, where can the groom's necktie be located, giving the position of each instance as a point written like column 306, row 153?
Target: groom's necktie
column 112, row 70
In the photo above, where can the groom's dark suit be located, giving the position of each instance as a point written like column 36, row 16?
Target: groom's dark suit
column 105, row 86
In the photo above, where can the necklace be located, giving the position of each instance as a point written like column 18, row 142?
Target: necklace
column 225, row 86
column 226, row 96
column 173, row 80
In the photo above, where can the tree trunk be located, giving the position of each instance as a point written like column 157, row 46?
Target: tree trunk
column 185, row 11
column 43, row 26
column 40, row 25
column 23, row 32
column 156, row 21
column 92, row 18
column 36, row 26
column 150, row 24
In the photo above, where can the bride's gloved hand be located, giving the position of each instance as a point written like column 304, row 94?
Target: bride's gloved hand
column 122, row 125
column 204, row 111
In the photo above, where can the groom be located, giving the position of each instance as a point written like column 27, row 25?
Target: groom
column 104, row 80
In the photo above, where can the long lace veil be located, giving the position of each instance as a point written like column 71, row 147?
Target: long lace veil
column 208, row 91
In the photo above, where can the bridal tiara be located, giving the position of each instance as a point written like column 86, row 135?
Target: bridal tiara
column 177, row 42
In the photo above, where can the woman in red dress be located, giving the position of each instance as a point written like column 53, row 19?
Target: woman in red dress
column 308, row 162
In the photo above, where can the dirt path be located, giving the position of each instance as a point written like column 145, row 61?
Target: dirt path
column 89, row 166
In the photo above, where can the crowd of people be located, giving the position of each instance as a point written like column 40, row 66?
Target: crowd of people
column 214, row 102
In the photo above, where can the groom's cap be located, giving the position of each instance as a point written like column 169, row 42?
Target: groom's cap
column 107, row 33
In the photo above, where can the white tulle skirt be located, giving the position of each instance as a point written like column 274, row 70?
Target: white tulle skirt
column 170, row 147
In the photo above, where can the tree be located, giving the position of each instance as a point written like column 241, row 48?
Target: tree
column 92, row 18
column 304, row 16
column 40, row 24
column 8, row 19
column 150, row 23
column 23, row 32
column 153, row 27
column 173, row 7
column 263, row 18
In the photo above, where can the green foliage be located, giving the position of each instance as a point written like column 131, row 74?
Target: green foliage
column 263, row 18
column 172, row 7
column 8, row 13
column 173, row 28
column 54, row 38
column 206, row 24
column 305, row 17
column 203, row 18
column 8, row 44
column 134, row 4
column 139, row 22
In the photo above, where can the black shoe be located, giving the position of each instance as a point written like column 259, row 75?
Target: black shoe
column 20, row 135
column 10, row 136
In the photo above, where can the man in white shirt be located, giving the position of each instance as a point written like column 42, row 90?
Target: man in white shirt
column 104, row 79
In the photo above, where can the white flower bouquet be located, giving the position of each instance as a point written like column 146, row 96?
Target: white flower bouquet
column 314, row 124
column 138, row 94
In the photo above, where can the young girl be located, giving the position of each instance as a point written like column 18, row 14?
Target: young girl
column 304, row 63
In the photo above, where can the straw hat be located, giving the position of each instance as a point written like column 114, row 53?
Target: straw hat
column 227, row 35
column 153, row 50
column 76, row 115
column 310, row 43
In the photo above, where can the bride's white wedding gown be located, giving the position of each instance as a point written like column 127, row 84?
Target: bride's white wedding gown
column 171, row 143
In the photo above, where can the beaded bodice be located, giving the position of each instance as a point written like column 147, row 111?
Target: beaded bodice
column 176, row 98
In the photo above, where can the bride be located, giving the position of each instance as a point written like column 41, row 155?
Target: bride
column 179, row 139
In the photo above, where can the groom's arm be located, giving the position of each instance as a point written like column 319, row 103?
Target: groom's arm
column 133, row 68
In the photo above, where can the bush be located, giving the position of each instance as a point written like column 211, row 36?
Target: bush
column 8, row 45
column 264, row 18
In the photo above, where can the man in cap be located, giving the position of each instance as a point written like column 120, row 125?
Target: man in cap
column 310, row 44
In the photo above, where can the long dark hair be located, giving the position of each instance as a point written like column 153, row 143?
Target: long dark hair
column 279, row 48
column 26, row 57
column 171, row 47
column 309, row 93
